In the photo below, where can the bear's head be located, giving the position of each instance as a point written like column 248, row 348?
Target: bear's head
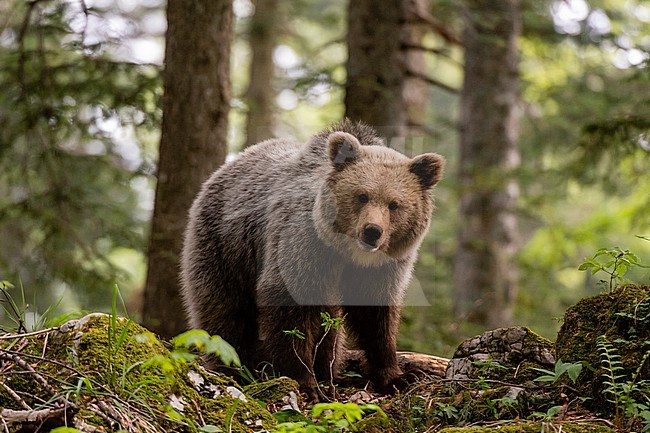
column 375, row 204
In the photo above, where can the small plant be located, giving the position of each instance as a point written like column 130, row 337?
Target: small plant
column 622, row 393
column 549, row 414
column 572, row 370
column 23, row 316
column 188, row 347
column 330, row 418
column 329, row 324
column 115, row 339
column 446, row 412
column 615, row 262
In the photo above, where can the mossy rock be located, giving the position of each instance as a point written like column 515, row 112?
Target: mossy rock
column 531, row 427
column 505, row 354
column 117, row 375
column 623, row 318
column 376, row 423
column 277, row 394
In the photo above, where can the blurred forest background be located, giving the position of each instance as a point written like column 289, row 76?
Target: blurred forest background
column 542, row 109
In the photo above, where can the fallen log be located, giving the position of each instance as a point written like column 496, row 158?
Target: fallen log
column 429, row 364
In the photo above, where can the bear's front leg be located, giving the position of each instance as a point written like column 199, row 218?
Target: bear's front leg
column 290, row 354
column 375, row 331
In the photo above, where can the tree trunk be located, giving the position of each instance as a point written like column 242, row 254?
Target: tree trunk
column 193, row 142
column 485, row 275
column 375, row 68
column 260, row 95
column 415, row 91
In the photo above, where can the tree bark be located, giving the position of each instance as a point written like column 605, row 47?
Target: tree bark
column 415, row 90
column 193, row 142
column 260, row 123
column 485, row 275
column 376, row 68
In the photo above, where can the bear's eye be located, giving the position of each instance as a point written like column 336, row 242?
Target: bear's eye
column 393, row 205
column 363, row 198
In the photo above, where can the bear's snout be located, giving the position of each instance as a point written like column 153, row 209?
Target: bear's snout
column 371, row 234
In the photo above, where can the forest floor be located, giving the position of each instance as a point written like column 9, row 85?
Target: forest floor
column 105, row 373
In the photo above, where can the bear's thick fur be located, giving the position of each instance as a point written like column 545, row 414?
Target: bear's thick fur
column 288, row 231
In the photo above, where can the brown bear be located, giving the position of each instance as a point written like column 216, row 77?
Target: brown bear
column 288, row 231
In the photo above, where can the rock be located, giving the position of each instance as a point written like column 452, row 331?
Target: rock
column 278, row 394
column 622, row 317
column 506, row 354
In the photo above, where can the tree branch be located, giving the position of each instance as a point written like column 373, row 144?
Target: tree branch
column 432, row 81
column 418, row 15
column 437, row 51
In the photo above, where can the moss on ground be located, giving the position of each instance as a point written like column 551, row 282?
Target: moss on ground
column 531, row 427
column 120, row 376
column 623, row 318
column 272, row 390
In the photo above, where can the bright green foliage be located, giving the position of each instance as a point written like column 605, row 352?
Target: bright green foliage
column 295, row 333
column 85, row 365
column 630, row 395
column 572, row 369
column 328, row 322
column 205, row 343
column 331, row 417
column 616, row 263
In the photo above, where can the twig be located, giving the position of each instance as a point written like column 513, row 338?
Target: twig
column 98, row 411
column 32, row 416
column 47, row 338
column 336, row 337
column 85, row 427
column 27, row 334
column 26, row 366
column 309, row 370
column 198, row 412
column 98, row 384
column 16, row 397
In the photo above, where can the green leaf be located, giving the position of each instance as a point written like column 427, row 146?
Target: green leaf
column 290, row 415
column 225, row 351
column 553, row 411
column 573, row 371
column 195, row 337
column 547, row 378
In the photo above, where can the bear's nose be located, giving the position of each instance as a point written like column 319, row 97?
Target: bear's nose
column 371, row 234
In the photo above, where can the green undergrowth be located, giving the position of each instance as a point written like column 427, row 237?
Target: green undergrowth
column 531, row 427
column 110, row 370
column 610, row 334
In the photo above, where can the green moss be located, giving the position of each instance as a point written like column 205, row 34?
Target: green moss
column 113, row 361
column 272, row 391
column 531, row 427
column 623, row 317
column 376, row 424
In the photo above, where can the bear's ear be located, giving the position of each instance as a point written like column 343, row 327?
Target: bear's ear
column 342, row 148
column 428, row 168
